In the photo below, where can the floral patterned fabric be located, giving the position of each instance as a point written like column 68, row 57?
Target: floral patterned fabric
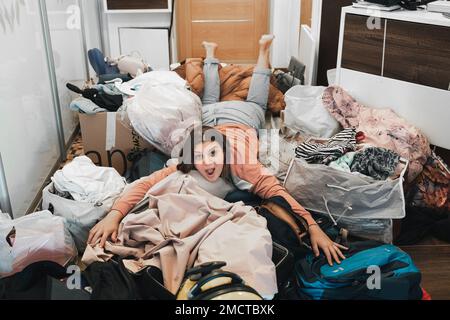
column 432, row 187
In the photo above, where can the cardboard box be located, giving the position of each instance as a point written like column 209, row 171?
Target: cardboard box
column 113, row 129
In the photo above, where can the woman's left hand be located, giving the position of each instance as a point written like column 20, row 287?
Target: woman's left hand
column 319, row 239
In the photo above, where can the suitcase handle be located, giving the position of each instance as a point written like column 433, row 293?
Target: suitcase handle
column 197, row 288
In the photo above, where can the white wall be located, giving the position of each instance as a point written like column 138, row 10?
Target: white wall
column 285, row 25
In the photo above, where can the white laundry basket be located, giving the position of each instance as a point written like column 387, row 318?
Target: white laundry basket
column 352, row 200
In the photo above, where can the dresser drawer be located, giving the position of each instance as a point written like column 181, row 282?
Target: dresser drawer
column 418, row 53
column 363, row 47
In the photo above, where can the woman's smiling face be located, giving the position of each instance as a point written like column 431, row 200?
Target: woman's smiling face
column 209, row 160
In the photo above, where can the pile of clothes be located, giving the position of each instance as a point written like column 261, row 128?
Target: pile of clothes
column 428, row 204
column 428, row 177
column 81, row 180
column 79, row 196
column 97, row 98
column 374, row 143
column 340, row 152
column 379, row 136
column 382, row 128
column 105, row 96
column 82, row 193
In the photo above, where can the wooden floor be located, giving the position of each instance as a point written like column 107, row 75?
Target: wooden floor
column 433, row 260
column 75, row 150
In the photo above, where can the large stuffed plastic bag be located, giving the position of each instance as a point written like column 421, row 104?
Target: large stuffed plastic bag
column 132, row 87
column 163, row 113
column 306, row 113
column 39, row 236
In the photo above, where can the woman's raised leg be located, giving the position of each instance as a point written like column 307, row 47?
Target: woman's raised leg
column 259, row 86
column 211, row 93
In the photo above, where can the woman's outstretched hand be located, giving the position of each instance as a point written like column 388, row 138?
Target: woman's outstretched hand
column 107, row 227
column 319, row 240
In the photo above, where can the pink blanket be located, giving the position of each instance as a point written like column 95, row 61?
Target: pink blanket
column 186, row 226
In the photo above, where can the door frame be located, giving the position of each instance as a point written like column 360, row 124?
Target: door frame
column 316, row 21
column 287, row 31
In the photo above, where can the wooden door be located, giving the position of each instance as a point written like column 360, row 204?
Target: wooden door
column 236, row 25
column 306, row 12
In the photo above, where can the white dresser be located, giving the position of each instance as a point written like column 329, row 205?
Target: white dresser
column 399, row 60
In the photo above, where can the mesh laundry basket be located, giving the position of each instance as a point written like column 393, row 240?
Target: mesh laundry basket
column 355, row 201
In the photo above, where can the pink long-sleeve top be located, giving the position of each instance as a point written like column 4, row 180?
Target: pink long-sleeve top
column 246, row 172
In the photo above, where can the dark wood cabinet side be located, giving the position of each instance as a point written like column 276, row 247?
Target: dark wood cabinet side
column 329, row 37
column 363, row 47
column 137, row 4
column 418, row 53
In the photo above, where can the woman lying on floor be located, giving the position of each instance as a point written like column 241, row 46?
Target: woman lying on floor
column 223, row 158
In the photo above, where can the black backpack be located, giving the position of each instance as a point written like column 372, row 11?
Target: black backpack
column 111, row 281
column 287, row 236
column 144, row 163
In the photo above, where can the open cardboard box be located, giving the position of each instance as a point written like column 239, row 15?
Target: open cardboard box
column 98, row 131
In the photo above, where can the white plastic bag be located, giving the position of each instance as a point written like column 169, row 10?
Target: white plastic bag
column 132, row 87
column 306, row 113
column 39, row 236
column 164, row 113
